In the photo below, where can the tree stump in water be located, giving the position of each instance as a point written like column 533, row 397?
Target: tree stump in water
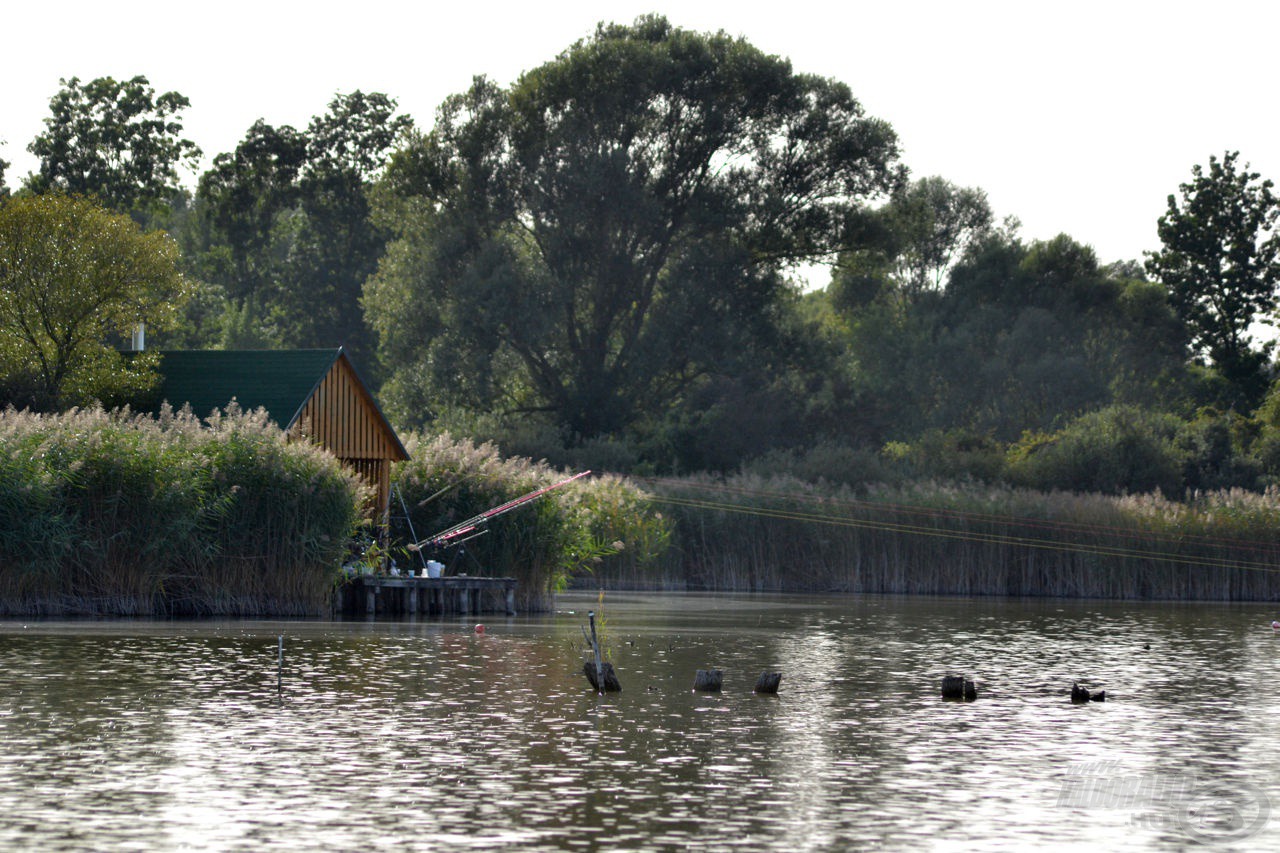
column 611, row 684
column 708, row 680
column 1080, row 695
column 956, row 687
column 768, row 682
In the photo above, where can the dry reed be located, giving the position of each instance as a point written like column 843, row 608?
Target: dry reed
column 114, row 514
column 753, row 533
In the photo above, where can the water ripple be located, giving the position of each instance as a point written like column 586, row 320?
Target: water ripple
column 422, row 735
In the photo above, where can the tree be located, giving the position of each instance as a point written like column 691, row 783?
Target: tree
column 287, row 228
column 1022, row 337
column 242, row 195
column 613, row 229
column 72, row 277
column 908, row 245
column 933, row 222
column 335, row 244
column 116, row 141
column 1221, row 264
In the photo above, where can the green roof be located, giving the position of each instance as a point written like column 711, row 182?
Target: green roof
column 280, row 381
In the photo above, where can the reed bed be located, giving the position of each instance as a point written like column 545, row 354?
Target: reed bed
column 598, row 524
column 116, row 514
column 753, row 533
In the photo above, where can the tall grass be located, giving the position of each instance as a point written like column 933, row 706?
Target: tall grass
column 118, row 514
column 754, row 533
column 588, row 526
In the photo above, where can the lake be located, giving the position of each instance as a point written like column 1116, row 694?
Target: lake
column 425, row 735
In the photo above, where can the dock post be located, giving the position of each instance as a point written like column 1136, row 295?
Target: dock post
column 413, row 601
column 511, row 601
column 464, row 600
column 709, row 680
column 370, row 602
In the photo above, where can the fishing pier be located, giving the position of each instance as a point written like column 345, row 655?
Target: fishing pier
column 391, row 595
column 433, row 594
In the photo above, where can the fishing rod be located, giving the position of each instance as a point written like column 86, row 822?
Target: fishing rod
column 464, row 530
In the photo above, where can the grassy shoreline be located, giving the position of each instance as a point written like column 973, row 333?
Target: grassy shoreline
column 778, row 534
column 114, row 514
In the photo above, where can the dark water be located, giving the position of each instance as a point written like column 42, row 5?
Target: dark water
column 423, row 735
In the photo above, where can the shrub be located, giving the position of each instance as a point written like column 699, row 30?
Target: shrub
column 1115, row 450
column 571, row 532
column 121, row 514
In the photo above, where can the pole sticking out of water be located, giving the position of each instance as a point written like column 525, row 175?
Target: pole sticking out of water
column 280, row 666
column 595, row 647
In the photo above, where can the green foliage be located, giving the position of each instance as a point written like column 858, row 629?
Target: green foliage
column 115, row 140
column 606, row 235
column 1116, row 450
column 927, row 226
column 285, row 227
column 569, row 532
column 109, row 514
column 950, row 455
column 1022, row 337
column 825, row 463
column 73, row 279
column 1221, row 265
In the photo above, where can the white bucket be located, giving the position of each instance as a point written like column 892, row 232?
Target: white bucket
column 434, row 568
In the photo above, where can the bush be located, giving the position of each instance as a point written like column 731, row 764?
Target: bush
column 121, row 514
column 1116, row 450
column 825, row 463
column 602, row 523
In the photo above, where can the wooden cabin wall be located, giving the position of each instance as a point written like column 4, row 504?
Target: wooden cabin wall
column 341, row 417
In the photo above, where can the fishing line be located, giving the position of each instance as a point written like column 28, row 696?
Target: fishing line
column 966, row 515
column 1098, row 549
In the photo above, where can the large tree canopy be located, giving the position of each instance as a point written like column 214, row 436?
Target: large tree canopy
column 73, row 277
column 1221, row 265
column 115, row 140
column 612, row 228
column 287, row 230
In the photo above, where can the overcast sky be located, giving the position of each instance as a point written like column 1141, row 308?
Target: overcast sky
column 1077, row 118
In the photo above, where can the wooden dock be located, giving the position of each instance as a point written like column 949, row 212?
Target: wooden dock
column 390, row 595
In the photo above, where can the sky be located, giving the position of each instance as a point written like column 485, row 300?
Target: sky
column 1079, row 118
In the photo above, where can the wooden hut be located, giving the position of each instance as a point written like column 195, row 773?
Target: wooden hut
column 315, row 395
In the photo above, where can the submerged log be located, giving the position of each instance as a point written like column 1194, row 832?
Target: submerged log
column 708, row 680
column 768, row 682
column 611, row 684
column 956, row 687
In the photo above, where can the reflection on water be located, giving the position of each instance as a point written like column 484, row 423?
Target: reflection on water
column 423, row 734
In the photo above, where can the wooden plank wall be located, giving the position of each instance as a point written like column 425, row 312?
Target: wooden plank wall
column 341, row 418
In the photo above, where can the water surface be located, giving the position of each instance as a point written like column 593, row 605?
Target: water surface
column 424, row 735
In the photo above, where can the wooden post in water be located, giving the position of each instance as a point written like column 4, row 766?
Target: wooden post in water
column 280, row 666
column 768, row 682
column 599, row 673
column 956, row 687
column 708, row 680
column 595, row 649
